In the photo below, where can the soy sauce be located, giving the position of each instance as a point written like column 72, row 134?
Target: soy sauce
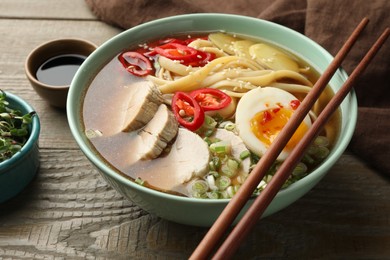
column 59, row 70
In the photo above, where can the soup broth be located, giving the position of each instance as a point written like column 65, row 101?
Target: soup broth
column 106, row 108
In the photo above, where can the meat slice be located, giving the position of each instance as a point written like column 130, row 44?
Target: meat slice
column 237, row 144
column 188, row 157
column 158, row 133
column 143, row 104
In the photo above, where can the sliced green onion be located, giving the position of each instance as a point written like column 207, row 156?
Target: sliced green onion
column 245, row 154
column 217, row 117
column 139, row 181
column 262, row 185
column 321, row 141
column 209, row 132
column 307, row 159
column 300, row 170
column 216, row 162
column 214, row 173
column 212, row 194
column 230, row 191
column 321, row 153
column 220, row 148
column 233, row 164
column 267, row 178
column 230, row 168
column 254, row 158
column 207, row 140
column 312, row 149
column 214, row 140
column 199, row 195
column 211, row 182
column 212, row 166
column 240, row 179
column 224, row 194
column 229, row 126
column 199, row 186
column 90, row 133
column 222, row 182
column 209, row 122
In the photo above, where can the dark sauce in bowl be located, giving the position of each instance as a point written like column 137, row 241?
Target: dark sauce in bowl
column 59, row 70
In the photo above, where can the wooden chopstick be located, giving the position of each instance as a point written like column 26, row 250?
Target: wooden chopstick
column 238, row 201
column 241, row 230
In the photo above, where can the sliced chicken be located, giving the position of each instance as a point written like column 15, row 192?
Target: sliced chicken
column 191, row 155
column 158, row 133
column 237, row 144
column 143, row 104
column 187, row 158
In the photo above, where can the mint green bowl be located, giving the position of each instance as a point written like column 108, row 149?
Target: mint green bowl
column 18, row 171
column 192, row 211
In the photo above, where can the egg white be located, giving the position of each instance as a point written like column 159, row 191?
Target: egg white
column 255, row 101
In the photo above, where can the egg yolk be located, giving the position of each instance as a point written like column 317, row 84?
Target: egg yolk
column 266, row 125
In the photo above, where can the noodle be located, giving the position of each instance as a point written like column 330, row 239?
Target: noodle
column 273, row 76
column 291, row 87
column 233, row 74
column 174, row 67
column 193, row 80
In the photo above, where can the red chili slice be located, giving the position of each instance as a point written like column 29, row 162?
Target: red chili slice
column 136, row 63
column 186, row 55
column 176, row 51
column 211, row 99
column 191, row 123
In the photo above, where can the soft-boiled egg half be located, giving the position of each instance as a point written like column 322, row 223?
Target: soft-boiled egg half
column 260, row 116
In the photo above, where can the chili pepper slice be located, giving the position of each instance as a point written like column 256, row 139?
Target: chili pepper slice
column 191, row 122
column 186, row 55
column 176, row 51
column 211, row 99
column 136, row 63
column 201, row 59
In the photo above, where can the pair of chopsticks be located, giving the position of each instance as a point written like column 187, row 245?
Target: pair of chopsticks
column 228, row 215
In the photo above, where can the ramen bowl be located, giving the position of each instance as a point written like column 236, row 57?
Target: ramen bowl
column 193, row 211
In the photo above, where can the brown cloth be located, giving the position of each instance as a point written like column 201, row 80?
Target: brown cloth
column 328, row 22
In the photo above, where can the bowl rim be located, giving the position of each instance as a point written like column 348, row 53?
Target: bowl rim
column 34, row 132
column 336, row 152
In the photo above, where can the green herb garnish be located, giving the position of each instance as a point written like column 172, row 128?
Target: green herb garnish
column 13, row 128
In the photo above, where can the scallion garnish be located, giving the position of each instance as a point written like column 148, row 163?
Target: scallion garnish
column 245, row 154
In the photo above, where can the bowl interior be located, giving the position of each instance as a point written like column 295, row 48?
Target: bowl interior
column 267, row 31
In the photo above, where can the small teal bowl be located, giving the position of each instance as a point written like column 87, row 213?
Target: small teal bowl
column 18, row 171
column 191, row 211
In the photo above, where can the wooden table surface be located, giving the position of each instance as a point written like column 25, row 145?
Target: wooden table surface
column 69, row 211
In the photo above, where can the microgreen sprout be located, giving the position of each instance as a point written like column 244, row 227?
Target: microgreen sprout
column 13, row 128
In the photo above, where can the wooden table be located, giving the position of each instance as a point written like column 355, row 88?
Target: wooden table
column 69, row 211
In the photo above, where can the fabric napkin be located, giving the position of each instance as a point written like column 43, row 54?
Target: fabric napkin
column 328, row 22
